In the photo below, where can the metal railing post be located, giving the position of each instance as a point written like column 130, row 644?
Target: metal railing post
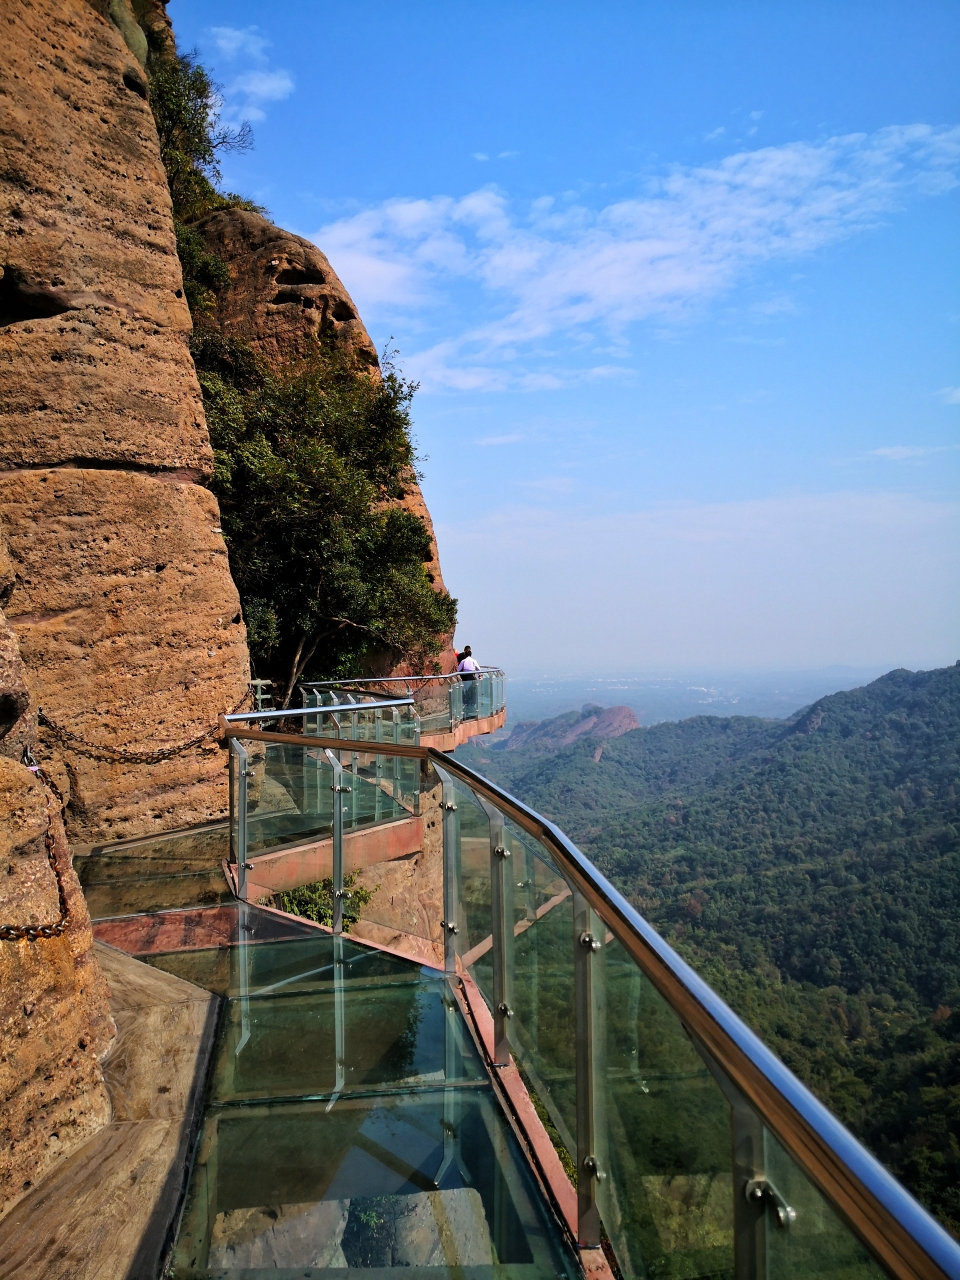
column 338, row 789
column 244, row 928
column 339, row 1020
column 501, row 930
column 592, row 1168
column 451, row 863
column 239, row 778
column 749, row 1176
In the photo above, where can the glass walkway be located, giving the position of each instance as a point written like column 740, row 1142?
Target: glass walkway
column 370, row 1112
column 350, row 1120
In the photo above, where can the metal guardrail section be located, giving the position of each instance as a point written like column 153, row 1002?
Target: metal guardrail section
column 775, row 1232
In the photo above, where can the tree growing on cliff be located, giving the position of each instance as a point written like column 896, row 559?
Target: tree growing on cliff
column 310, row 463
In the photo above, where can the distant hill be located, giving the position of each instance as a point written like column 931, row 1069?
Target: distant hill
column 562, row 731
column 810, row 868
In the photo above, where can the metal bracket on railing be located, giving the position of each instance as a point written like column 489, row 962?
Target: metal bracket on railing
column 589, row 941
column 501, row 852
column 592, row 1169
column 759, row 1190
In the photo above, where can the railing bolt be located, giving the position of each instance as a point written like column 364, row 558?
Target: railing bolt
column 591, row 1166
column 591, row 943
column 501, row 852
column 760, row 1189
column 505, row 1010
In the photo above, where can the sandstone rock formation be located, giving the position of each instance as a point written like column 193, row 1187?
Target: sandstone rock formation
column 284, row 290
column 54, row 1022
column 284, row 294
column 127, row 619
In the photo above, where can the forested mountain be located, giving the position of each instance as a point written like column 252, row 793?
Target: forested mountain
column 810, row 869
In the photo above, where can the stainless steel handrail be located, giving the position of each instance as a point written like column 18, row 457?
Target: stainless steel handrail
column 450, row 675
column 241, row 716
column 894, row 1227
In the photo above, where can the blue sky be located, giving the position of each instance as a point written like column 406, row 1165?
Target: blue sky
column 680, row 284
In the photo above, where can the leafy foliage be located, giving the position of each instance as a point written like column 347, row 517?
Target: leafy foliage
column 309, row 463
column 186, row 104
column 315, row 901
column 810, row 869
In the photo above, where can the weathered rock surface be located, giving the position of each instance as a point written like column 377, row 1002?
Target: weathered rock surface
column 54, row 1020
column 122, row 601
column 93, row 365
column 284, row 290
column 129, row 626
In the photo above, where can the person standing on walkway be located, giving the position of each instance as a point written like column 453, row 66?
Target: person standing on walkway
column 469, row 670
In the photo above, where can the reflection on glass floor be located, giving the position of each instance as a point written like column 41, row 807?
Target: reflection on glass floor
column 350, row 1123
column 176, row 869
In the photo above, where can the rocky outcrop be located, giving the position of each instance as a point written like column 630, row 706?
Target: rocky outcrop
column 284, row 295
column 284, row 291
column 127, row 619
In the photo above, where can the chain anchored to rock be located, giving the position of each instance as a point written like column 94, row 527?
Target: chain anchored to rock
column 120, row 755
column 34, row 932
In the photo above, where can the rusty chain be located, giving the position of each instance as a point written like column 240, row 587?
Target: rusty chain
column 34, row 932
column 120, row 755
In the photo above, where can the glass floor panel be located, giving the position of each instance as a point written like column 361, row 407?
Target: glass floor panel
column 350, row 1126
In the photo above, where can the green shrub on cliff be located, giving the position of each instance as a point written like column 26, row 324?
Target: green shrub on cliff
column 315, row 901
column 309, row 465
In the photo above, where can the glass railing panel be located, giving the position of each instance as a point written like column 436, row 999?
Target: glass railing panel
column 542, row 986
column 395, row 884
column 432, row 700
column 289, row 796
column 810, row 1240
column 473, row 876
column 290, row 799
column 470, row 692
column 667, row 1200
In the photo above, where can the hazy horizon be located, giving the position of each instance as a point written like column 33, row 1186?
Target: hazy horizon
column 658, row 696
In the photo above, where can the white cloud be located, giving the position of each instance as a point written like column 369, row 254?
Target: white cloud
column 799, row 580
column 508, row 155
column 904, row 452
column 264, row 86
column 480, row 155
column 232, row 42
column 950, row 395
column 489, row 440
column 250, row 89
column 557, row 265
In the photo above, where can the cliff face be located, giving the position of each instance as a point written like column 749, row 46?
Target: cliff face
column 127, row 620
column 284, row 292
